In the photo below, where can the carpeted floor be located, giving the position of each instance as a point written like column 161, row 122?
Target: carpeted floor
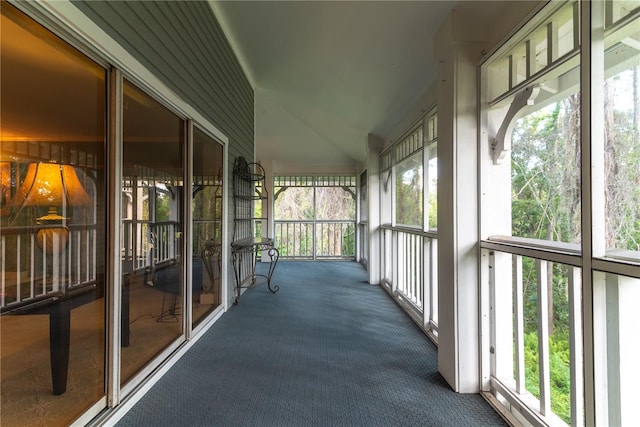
column 326, row 350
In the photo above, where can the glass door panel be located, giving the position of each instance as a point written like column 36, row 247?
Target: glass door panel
column 152, row 228
column 52, row 226
column 206, row 205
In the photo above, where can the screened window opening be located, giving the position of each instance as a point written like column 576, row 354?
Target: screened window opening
column 315, row 217
column 534, row 214
column 621, row 140
column 409, row 180
column 545, row 173
column 409, row 217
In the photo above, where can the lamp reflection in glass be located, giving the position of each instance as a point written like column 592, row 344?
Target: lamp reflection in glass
column 52, row 185
column 5, row 187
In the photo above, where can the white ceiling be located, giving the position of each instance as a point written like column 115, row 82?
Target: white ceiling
column 326, row 74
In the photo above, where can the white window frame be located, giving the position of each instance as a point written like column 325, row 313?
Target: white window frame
column 594, row 279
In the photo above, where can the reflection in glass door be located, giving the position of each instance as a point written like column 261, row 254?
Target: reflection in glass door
column 52, row 227
column 206, row 250
column 152, row 229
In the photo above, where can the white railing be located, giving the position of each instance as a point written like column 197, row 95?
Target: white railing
column 536, row 329
column 315, row 239
column 29, row 273
column 410, row 273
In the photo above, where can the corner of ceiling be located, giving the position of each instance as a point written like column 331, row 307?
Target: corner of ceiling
column 221, row 18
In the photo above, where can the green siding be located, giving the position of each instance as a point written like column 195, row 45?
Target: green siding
column 182, row 43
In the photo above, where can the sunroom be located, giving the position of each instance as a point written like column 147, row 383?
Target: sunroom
column 485, row 173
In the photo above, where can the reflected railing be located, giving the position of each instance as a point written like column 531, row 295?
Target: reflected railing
column 410, row 273
column 145, row 243
column 29, row 273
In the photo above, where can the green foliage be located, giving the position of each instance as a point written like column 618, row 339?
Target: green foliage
column 546, row 197
column 622, row 160
column 409, row 192
column 309, row 207
column 559, row 376
column 162, row 206
column 545, row 179
column 433, row 209
column 349, row 241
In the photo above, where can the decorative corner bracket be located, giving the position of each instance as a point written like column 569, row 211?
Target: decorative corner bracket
column 501, row 143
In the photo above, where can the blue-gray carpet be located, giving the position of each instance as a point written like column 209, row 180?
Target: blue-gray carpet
column 326, row 350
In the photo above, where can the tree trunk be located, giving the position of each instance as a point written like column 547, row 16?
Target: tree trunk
column 610, row 171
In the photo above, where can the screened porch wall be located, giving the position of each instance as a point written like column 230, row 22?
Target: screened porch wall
column 324, row 224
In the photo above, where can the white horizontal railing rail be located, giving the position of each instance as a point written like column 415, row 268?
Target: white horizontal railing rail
column 315, row 239
column 29, row 273
column 409, row 273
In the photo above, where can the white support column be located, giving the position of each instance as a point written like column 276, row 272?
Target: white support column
column 374, row 146
column 593, row 214
column 458, row 252
column 629, row 347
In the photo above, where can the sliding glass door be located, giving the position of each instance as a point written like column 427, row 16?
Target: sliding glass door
column 152, row 229
column 52, row 226
column 206, row 250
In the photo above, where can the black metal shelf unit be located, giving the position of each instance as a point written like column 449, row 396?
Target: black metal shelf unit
column 248, row 242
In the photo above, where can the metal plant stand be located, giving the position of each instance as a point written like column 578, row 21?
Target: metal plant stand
column 246, row 248
column 247, row 253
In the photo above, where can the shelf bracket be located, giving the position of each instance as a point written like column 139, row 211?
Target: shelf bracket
column 501, row 143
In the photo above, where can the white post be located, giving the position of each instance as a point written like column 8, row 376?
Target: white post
column 458, row 251
column 374, row 146
column 629, row 347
